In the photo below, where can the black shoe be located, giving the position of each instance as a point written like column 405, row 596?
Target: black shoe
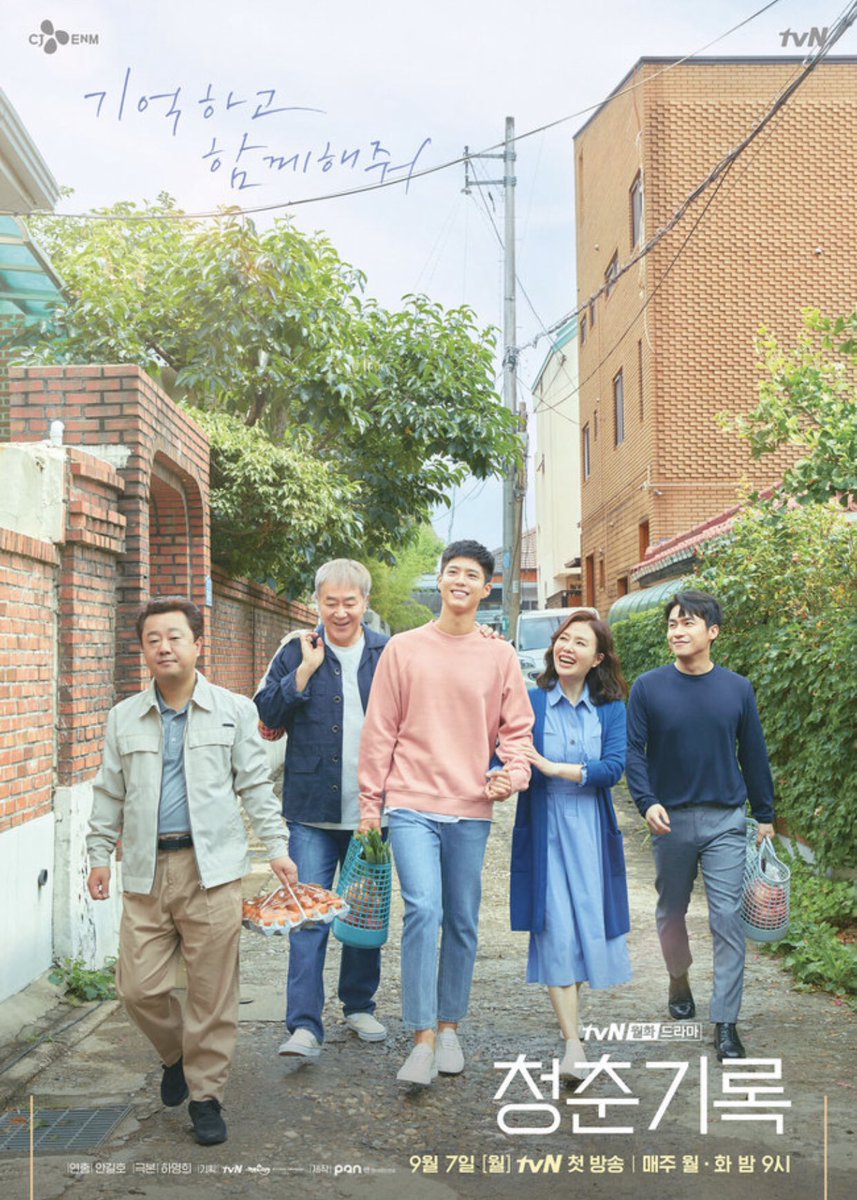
column 728, row 1043
column 209, row 1127
column 681, row 1003
column 173, row 1085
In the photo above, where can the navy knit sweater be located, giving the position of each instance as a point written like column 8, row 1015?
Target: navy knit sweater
column 697, row 739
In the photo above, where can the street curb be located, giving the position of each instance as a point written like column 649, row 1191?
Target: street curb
column 58, row 1040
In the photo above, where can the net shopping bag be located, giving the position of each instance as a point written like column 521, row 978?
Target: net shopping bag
column 765, row 897
column 366, row 885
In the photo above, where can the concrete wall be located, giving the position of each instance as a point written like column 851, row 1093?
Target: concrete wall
column 26, row 932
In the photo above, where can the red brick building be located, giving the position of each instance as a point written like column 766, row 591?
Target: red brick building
column 670, row 343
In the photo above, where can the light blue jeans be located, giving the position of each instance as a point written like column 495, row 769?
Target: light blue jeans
column 439, row 865
column 317, row 853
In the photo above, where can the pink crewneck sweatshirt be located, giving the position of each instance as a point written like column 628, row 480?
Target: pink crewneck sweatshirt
column 438, row 705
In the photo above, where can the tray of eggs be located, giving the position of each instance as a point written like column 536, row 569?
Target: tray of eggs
column 288, row 908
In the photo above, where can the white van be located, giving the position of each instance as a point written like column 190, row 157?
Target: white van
column 536, row 627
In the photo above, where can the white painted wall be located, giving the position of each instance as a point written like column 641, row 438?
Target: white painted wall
column 82, row 928
column 32, row 496
column 557, row 464
column 26, row 943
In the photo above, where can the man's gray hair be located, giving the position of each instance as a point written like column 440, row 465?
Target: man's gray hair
column 343, row 570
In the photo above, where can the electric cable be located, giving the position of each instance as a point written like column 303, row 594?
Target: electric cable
column 232, row 211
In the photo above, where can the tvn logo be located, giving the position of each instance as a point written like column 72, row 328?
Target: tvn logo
column 50, row 38
column 810, row 37
column 644, row 1031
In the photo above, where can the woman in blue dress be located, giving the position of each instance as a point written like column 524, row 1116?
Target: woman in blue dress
column 568, row 885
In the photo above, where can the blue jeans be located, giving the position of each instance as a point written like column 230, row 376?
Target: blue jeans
column 439, row 865
column 317, row 853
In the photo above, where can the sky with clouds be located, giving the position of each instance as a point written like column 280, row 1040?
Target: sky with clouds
column 275, row 103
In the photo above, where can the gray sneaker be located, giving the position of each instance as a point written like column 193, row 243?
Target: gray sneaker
column 419, row 1067
column 450, row 1056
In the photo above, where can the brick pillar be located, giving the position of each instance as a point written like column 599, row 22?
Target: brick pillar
column 9, row 327
column 87, row 597
column 119, row 414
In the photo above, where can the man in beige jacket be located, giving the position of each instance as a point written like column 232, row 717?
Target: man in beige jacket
column 177, row 760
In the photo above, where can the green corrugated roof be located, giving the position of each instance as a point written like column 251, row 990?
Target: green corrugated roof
column 29, row 286
column 645, row 599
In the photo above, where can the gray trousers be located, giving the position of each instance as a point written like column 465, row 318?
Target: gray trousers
column 714, row 837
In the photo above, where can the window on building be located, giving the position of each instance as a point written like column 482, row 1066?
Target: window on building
column 643, row 536
column 589, row 580
column 640, row 377
column 585, row 453
column 611, row 272
column 602, row 576
column 591, row 315
column 583, row 330
column 595, row 425
column 618, row 409
column 622, row 585
column 635, row 204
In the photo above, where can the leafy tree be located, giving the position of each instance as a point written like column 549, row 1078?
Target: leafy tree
column 809, row 400
column 786, row 576
column 392, row 585
column 274, row 505
column 271, row 327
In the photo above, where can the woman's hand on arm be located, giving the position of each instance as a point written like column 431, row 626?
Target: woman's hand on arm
column 553, row 770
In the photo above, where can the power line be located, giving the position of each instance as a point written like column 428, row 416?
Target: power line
column 716, row 176
column 839, row 29
column 233, row 211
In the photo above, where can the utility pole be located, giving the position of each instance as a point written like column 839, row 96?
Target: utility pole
column 514, row 484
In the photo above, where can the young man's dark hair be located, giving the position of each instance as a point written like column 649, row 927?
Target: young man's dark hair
column 163, row 604
column 696, row 604
column 469, row 549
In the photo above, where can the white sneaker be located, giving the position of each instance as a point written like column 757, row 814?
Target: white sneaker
column 303, row 1044
column 450, row 1056
column 573, row 1065
column 419, row 1067
column 366, row 1027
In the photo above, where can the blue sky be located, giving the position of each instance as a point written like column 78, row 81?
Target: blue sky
column 362, row 85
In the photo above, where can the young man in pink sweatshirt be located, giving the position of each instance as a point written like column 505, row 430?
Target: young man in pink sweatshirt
column 445, row 699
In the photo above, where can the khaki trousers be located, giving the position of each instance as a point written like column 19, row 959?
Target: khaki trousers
column 204, row 926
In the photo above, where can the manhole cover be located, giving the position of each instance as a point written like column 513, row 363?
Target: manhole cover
column 56, row 1129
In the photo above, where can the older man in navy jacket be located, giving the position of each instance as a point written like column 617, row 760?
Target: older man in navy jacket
column 317, row 689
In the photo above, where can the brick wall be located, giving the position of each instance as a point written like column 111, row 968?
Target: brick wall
column 779, row 235
column 247, row 623
column 28, row 602
column 120, row 412
column 162, row 474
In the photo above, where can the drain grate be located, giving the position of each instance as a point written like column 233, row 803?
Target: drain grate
column 56, row 1129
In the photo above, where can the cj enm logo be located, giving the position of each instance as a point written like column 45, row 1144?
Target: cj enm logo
column 50, row 38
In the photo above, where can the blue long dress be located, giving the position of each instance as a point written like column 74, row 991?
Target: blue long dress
column 574, row 948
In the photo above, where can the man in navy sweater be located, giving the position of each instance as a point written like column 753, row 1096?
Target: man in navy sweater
column 696, row 754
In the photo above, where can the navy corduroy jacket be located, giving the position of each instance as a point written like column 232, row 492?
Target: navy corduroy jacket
column 312, row 782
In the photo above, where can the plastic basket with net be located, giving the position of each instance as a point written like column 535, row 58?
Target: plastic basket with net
column 366, row 885
column 766, row 894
